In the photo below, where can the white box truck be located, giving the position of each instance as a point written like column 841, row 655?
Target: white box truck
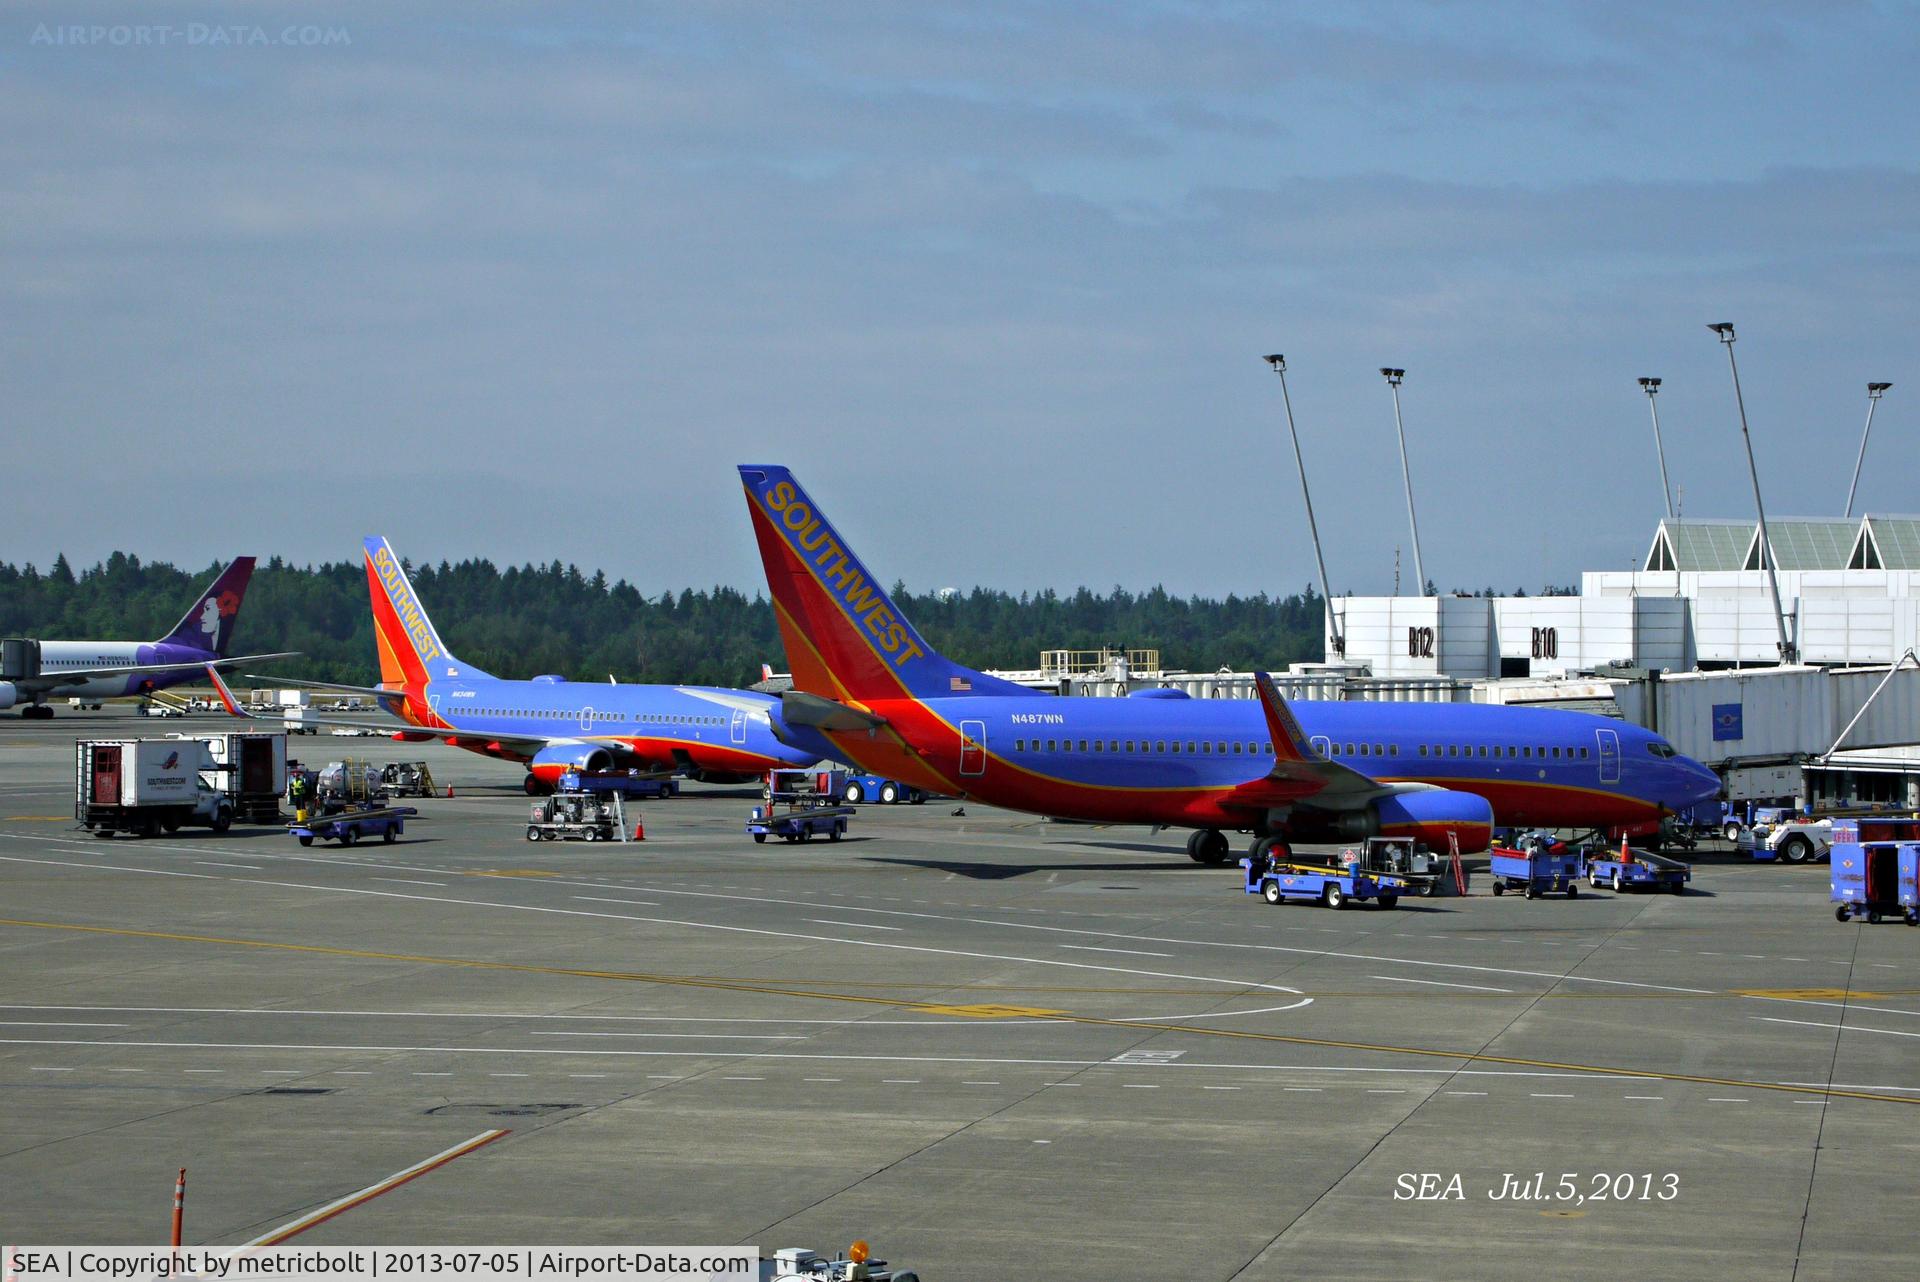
column 145, row 787
column 250, row 767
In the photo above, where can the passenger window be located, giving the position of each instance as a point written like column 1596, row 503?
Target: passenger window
column 1019, row 745
column 1556, row 754
column 1423, row 749
column 1176, row 747
column 1189, row 745
column 1453, row 750
column 1526, row 752
column 1377, row 751
column 1349, row 750
column 1363, row 749
column 1083, row 745
column 1267, row 748
column 1050, row 745
column 1482, row 751
column 1236, row 747
column 1221, row 748
column 1129, row 745
column 1160, row 745
column 1113, row 745
column 1583, row 754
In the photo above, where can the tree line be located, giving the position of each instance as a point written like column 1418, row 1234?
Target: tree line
column 525, row 620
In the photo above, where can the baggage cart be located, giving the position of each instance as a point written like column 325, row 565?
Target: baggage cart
column 578, row 816
column 1540, row 866
column 348, row 824
column 1876, row 879
column 1629, row 869
column 1328, row 886
column 801, row 822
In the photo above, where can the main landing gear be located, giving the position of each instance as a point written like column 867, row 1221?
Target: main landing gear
column 1207, row 846
column 534, row 786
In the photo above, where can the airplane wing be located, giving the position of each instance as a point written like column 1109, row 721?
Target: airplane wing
column 372, row 692
column 1302, row 776
column 74, row 676
column 799, row 708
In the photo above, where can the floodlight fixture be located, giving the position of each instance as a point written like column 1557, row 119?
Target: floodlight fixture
column 1789, row 653
column 1874, row 391
column 1651, row 386
column 1393, row 377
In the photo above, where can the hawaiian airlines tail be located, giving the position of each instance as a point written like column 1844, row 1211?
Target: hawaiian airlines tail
column 411, row 652
column 846, row 640
column 208, row 626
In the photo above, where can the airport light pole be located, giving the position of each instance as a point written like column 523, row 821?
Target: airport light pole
column 1393, row 377
column 1279, row 364
column 1651, row 386
column 1788, row 654
column 1874, row 391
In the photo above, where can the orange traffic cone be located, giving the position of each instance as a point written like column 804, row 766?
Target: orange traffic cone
column 449, row 792
column 639, row 828
column 1626, row 851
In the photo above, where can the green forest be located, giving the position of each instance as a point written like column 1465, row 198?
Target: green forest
column 526, row 620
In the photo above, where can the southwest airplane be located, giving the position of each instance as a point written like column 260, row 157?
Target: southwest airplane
column 551, row 724
column 870, row 683
column 94, row 670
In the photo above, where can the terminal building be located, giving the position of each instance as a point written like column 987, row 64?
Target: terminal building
column 1690, row 644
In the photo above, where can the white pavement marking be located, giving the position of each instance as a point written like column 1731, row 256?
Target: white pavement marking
column 1723, row 1099
column 1545, row 1095
column 738, row 930
column 215, row 863
column 856, row 925
column 54, row 1023
column 49, row 1070
column 1438, row 983
column 1645, row 1097
column 602, row 899
column 409, row 881
column 704, row 1037
column 1130, row 952
column 1845, row 1028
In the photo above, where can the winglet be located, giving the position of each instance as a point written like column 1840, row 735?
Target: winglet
column 227, row 700
column 1289, row 740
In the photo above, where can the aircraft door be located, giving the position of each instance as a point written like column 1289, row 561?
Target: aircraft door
column 739, row 725
column 973, row 748
column 586, row 718
column 1609, row 756
column 1322, row 746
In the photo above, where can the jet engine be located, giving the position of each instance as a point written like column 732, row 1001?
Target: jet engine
column 8, row 695
column 556, row 759
column 1427, row 816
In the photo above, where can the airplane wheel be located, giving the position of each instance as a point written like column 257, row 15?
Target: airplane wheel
column 1271, row 892
column 1210, row 847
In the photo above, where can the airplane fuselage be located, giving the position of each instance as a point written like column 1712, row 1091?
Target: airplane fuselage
column 704, row 729
column 60, row 656
column 1177, row 761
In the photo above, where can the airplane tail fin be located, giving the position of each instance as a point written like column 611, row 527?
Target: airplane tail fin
column 845, row 638
column 411, row 652
column 209, row 624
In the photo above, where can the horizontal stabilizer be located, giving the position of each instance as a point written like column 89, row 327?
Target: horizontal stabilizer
column 799, row 708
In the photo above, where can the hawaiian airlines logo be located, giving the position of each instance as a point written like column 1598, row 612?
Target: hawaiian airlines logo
column 400, row 595
column 808, row 535
column 216, row 608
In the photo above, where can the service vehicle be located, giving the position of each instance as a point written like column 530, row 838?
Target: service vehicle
column 350, row 823
column 799, row 1264
column 578, row 816
column 1539, row 866
column 349, row 780
column 1875, row 869
column 250, row 768
column 856, row 788
column 628, row 783
column 77, row 703
column 407, row 779
column 800, row 805
column 1794, row 840
column 145, row 787
column 1629, row 869
column 1331, row 886
column 160, row 710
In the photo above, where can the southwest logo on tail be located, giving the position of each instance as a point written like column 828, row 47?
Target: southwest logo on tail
column 1439, row 773
column 411, row 652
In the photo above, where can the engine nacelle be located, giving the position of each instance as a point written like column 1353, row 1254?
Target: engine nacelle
column 552, row 761
column 8, row 694
column 1428, row 817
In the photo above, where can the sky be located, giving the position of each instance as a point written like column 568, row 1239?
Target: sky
column 526, row 282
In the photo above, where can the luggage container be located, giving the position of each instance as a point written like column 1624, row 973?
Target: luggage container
column 1876, row 879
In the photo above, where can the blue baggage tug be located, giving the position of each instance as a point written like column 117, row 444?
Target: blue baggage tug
column 801, row 805
column 1875, row 869
column 349, row 824
column 1540, row 866
column 1327, row 886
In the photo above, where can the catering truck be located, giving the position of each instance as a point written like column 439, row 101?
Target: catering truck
column 146, row 787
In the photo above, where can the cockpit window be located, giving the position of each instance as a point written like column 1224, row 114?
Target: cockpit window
column 1661, row 748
